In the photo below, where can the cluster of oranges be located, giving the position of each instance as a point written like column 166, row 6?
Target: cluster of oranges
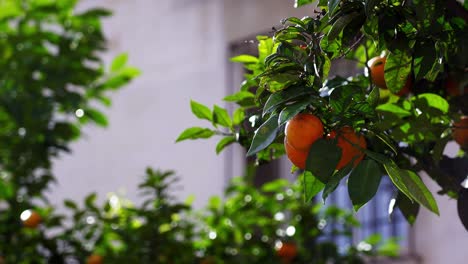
column 304, row 129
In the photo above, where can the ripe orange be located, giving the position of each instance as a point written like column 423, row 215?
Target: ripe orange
column 452, row 87
column 377, row 72
column 377, row 66
column 303, row 130
column 287, row 251
column 297, row 157
column 346, row 138
column 94, row 259
column 460, row 132
column 30, row 218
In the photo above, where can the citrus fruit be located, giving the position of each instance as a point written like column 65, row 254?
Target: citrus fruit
column 30, row 218
column 287, row 251
column 94, row 259
column 377, row 66
column 303, row 130
column 460, row 132
column 350, row 144
column 297, row 157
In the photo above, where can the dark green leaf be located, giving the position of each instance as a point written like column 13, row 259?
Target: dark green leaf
column 340, row 24
column 374, row 97
column 277, row 99
column 221, row 117
column 462, row 206
column 264, row 135
column 323, row 157
column 363, row 182
column 195, row 133
column 224, row 143
column 332, row 4
column 290, row 111
column 311, row 185
column 335, row 180
column 419, row 191
column 201, row 111
column 397, row 70
column 408, row 209
column 70, row 204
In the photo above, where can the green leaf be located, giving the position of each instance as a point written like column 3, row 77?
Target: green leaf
column 245, row 59
column 394, row 109
column 221, row 117
column 335, row 180
column 299, row 3
column 363, row 183
column 409, row 209
column 264, row 135
column 311, row 185
column 277, row 99
column 374, row 97
column 238, row 116
column 70, row 204
column 397, row 70
column 95, row 115
column 280, row 81
column 291, row 110
column 275, row 186
column 419, row 191
column 241, row 97
column 425, row 56
column 201, row 111
column 425, row 100
column 6, row 189
column 224, row 143
column 119, row 62
column 332, row 4
column 340, row 24
column 322, row 159
column 195, row 133
column 90, row 200
column 397, row 178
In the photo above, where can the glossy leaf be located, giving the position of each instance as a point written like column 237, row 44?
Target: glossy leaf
column 221, row 117
column 323, row 157
column 264, row 135
column 226, row 141
column 397, row 70
column 311, row 185
column 335, row 180
column 195, row 133
column 201, row 111
column 409, row 209
column 277, row 99
column 363, row 182
column 245, row 59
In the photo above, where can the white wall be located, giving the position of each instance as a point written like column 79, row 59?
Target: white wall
column 179, row 47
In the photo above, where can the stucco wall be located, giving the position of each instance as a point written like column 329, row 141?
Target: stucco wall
column 179, row 46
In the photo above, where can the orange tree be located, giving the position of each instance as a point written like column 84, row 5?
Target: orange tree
column 51, row 80
column 411, row 74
